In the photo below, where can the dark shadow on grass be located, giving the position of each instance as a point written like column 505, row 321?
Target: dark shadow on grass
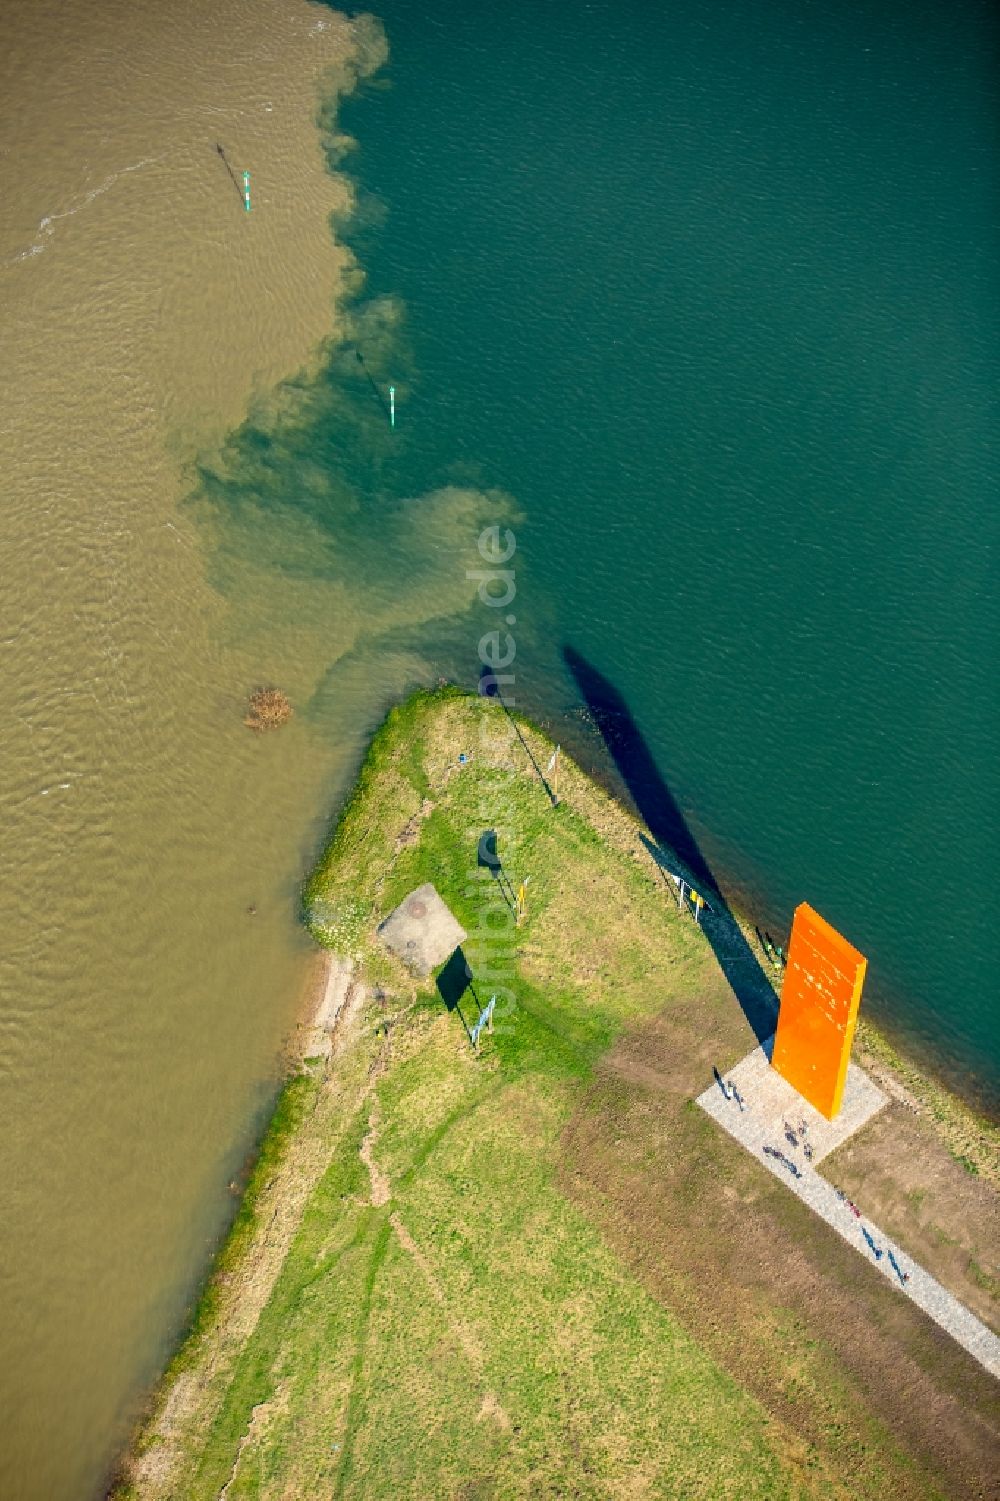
column 673, row 847
column 452, row 983
column 488, row 859
column 489, row 687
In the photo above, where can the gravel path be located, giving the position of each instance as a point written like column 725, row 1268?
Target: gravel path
column 755, row 1132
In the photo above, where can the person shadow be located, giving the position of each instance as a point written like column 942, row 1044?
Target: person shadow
column 672, row 846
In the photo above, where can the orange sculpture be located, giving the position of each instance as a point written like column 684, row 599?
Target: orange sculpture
column 819, row 1011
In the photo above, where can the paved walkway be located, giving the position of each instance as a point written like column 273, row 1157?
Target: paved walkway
column 768, row 1105
column 776, row 1102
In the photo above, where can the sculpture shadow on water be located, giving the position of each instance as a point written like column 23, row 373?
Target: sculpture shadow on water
column 672, row 845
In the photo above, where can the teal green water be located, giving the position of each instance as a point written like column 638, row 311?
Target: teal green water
column 711, row 294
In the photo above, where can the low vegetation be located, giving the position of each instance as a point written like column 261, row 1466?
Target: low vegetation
column 267, row 708
column 425, row 1295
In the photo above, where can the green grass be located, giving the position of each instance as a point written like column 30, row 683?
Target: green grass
column 983, row 1278
column 476, row 1336
column 311, row 1259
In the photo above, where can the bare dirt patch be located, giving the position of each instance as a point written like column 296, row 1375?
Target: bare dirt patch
column 762, row 1283
column 381, row 1190
column 923, row 1197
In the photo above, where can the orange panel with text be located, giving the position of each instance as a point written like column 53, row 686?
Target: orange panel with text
column 819, row 1010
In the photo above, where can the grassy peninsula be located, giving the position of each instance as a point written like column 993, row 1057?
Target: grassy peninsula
column 538, row 1270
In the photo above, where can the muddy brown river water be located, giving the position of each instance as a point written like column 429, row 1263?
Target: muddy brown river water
column 142, row 1006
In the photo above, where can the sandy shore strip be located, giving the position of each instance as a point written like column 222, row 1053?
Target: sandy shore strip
column 331, row 991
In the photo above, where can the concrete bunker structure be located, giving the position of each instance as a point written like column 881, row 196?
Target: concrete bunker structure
column 422, row 931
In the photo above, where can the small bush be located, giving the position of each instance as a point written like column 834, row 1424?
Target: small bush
column 267, row 709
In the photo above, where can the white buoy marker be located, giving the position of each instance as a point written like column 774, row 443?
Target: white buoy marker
column 246, row 191
column 392, row 406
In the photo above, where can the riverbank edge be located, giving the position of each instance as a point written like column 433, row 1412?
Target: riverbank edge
column 971, row 1139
